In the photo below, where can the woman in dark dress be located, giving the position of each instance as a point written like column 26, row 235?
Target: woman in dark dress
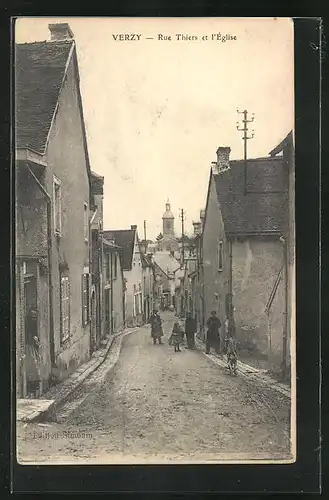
column 156, row 327
column 213, row 336
column 190, row 330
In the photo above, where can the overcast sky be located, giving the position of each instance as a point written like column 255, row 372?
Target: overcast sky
column 156, row 111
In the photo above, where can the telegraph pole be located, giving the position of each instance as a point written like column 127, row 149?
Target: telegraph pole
column 182, row 217
column 245, row 138
column 145, row 231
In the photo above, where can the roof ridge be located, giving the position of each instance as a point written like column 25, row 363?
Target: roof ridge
column 260, row 158
column 116, row 230
column 35, row 42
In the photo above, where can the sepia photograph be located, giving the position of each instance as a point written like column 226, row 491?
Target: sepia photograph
column 154, row 240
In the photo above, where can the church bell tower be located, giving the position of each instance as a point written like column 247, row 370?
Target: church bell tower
column 168, row 222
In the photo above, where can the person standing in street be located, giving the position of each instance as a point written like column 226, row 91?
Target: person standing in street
column 156, row 327
column 190, row 330
column 176, row 336
column 213, row 335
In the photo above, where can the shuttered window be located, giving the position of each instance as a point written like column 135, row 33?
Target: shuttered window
column 107, row 267
column 115, row 266
column 65, row 308
column 85, row 299
column 220, row 256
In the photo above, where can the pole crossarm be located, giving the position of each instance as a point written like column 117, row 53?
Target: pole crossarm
column 245, row 138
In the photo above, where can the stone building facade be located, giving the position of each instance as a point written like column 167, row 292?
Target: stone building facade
column 53, row 207
column 243, row 277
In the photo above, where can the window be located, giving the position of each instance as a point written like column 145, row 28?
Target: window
column 85, row 221
column 135, row 305
column 65, row 308
column 220, row 256
column 107, row 311
column 107, row 267
column 140, row 297
column 138, row 309
column 115, row 264
column 57, row 206
column 85, row 299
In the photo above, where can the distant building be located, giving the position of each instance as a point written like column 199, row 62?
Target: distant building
column 113, row 305
column 165, row 267
column 131, row 262
column 96, row 242
column 148, row 285
column 167, row 240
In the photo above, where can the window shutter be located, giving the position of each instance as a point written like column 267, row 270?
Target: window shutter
column 88, row 296
column 115, row 265
column 61, row 308
column 220, row 255
column 64, row 307
column 59, row 209
column 84, row 300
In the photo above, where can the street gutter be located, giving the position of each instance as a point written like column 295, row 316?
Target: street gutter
column 249, row 372
column 60, row 393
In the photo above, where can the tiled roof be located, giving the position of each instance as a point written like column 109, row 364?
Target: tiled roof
column 264, row 208
column 39, row 73
column 97, row 183
column 146, row 260
column 125, row 239
column 166, row 262
column 286, row 142
column 110, row 245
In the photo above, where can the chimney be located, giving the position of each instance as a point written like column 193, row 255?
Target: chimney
column 60, row 31
column 197, row 228
column 133, row 227
column 223, row 158
column 214, row 167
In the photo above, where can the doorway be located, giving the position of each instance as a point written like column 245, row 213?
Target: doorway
column 93, row 343
column 31, row 333
column 107, row 312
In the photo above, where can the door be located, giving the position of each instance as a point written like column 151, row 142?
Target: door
column 93, row 339
column 107, row 312
column 32, row 361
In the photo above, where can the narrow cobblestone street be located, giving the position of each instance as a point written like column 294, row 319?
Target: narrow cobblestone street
column 158, row 405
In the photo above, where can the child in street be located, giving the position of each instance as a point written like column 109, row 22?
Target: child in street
column 176, row 337
column 231, row 353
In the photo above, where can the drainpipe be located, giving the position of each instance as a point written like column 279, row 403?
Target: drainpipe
column 50, row 284
column 123, row 298
column 100, row 284
column 111, row 278
column 285, row 314
column 231, row 309
column 93, row 217
column 202, row 291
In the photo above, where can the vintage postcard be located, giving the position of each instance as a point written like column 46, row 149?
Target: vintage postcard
column 155, row 240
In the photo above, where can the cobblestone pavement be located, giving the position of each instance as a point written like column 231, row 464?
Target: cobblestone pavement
column 156, row 405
